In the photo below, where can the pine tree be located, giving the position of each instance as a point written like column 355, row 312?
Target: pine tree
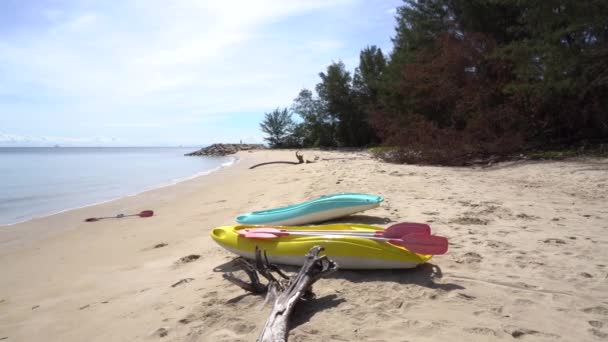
column 278, row 125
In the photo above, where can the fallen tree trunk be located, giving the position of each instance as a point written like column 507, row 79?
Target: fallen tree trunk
column 290, row 290
column 299, row 156
column 274, row 162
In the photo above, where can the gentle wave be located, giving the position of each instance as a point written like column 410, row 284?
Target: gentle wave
column 77, row 180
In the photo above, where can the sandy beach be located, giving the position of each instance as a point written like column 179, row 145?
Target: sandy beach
column 528, row 258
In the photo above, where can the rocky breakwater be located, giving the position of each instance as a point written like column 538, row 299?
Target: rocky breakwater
column 224, row 149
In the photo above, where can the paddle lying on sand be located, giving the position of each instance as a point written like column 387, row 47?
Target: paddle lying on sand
column 394, row 231
column 415, row 242
column 145, row 213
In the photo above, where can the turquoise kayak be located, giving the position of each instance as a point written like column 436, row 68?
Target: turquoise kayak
column 318, row 210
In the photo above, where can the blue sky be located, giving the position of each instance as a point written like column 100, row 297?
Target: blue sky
column 156, row 72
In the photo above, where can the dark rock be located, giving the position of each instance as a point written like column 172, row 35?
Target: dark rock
column 225, row 149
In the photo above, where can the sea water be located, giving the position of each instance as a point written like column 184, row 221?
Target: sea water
column 39, row 181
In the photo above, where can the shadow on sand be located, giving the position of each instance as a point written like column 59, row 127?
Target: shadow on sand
column 305, row 310
column 423, row 275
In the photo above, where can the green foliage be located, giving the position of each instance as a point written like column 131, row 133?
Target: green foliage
column 335, row 91
column 368, row 76
column 344, row 97
column 478, row 77
column 338, row 115
column 279, row 126
column 468, row 79
column 317, row 129
column 561, row 67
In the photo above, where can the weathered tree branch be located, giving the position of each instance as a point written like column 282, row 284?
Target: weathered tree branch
column 254, row 285
column 314, row 268
column 286, row 292
column 299, row 156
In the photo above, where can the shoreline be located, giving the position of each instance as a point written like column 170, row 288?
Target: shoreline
column 527, row 257
column 172, row 182
column 24, row 231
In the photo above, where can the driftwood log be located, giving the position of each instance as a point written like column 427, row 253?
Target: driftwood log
column 299, row 156
column 285, row 293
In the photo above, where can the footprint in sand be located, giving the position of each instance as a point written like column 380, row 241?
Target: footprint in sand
column 472, row 258
column 187, row 259
column 596, row 324
column 525, row 216
column 469, row 220
column 480, row 331
column 187, row 319
column 160, row 332
column 521, row 332
column 598, row 333
column 211, row 294
column 466, row 296
column 596, row 310
column 554, row 241
column 497, row 244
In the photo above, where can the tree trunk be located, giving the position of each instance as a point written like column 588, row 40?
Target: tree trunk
column 315, row 266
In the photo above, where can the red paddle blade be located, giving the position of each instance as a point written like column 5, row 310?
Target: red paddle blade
column 423, row 244
column 404, row 228
column 146, row 213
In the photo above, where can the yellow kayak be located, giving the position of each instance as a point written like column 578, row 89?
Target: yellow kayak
column 350, row 252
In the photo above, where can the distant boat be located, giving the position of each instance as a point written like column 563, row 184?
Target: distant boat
column 56, row 146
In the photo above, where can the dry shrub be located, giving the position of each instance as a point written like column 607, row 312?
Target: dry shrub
column 455, row 110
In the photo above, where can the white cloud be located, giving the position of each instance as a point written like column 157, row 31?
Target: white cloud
column 152, row 64
column 169, row 46
column 32, row 140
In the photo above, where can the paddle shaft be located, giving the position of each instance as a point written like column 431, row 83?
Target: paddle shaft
column 416, row 242
column 117, row 216
column 369, row 237
column 145, row 213
column 395, row 231
column 339, row 232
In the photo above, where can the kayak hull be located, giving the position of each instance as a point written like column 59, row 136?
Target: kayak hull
column 314, row 217
column 318, row 210
column 350, row 252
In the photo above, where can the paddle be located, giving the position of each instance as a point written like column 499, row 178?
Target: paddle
column 394, row 231
column 415, row 242
column 145, row 213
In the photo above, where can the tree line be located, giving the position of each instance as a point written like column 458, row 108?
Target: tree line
column 465, row 78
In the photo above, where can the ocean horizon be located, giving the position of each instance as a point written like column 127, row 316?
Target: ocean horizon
column 41, row 181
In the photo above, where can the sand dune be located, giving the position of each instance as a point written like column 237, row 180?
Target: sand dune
column 528, row 258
